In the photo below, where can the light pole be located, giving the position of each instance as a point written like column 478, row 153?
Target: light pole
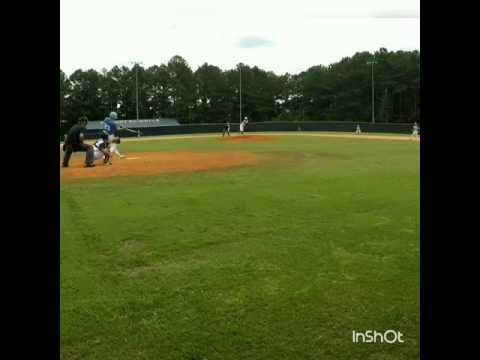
column 136, row 63
column 373, row 92
column 240, row 72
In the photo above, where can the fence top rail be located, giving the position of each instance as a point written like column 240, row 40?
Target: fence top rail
column 300, row 122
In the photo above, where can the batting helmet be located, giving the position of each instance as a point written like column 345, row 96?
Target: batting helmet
column 113, row 115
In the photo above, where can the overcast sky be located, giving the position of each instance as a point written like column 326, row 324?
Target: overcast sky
column 278, row 35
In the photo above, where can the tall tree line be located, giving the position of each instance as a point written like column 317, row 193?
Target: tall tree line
column 338, row 92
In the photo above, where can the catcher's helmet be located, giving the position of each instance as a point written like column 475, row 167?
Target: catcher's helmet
column 113, row 115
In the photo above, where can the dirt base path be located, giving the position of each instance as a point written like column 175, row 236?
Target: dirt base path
column 247, row 138
column 141, row 164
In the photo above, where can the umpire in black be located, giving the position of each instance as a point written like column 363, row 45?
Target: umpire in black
column 74, row 143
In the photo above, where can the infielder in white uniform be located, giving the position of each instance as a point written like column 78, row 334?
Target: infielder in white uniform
column 243, row 124
column 358, row 131
column 415, row 129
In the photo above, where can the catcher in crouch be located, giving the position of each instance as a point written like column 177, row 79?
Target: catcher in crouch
column 101, row 149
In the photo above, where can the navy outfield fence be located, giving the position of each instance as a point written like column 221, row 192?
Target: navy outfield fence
column 186, row 129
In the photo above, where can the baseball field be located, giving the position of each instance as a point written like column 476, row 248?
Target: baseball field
column 262, row 247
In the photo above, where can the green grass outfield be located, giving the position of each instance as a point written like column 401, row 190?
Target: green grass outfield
column 281, row 260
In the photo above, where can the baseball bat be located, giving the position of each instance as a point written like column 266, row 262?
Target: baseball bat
column 130, row 130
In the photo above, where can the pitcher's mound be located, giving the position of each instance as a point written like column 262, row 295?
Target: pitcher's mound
column 139, row 164
column 247, row 138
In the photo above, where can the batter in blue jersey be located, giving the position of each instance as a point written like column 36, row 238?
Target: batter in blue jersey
column 110, row 128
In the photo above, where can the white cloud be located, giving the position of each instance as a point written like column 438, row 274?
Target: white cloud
column 295, row 35
column 254, row 42
column 396, row 14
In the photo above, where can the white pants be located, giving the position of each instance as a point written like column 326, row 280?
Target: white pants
column 242, row 127
column 97, row 154
column 113, row 146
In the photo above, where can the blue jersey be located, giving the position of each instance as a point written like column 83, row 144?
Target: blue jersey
column 110, row 126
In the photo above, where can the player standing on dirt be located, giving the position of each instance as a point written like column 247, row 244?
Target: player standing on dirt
column 110, row 129
column 74, row 142
column 243, row 124
column 226, row 129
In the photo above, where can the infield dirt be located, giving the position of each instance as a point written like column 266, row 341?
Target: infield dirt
column 247, row 138
column 141, row 164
